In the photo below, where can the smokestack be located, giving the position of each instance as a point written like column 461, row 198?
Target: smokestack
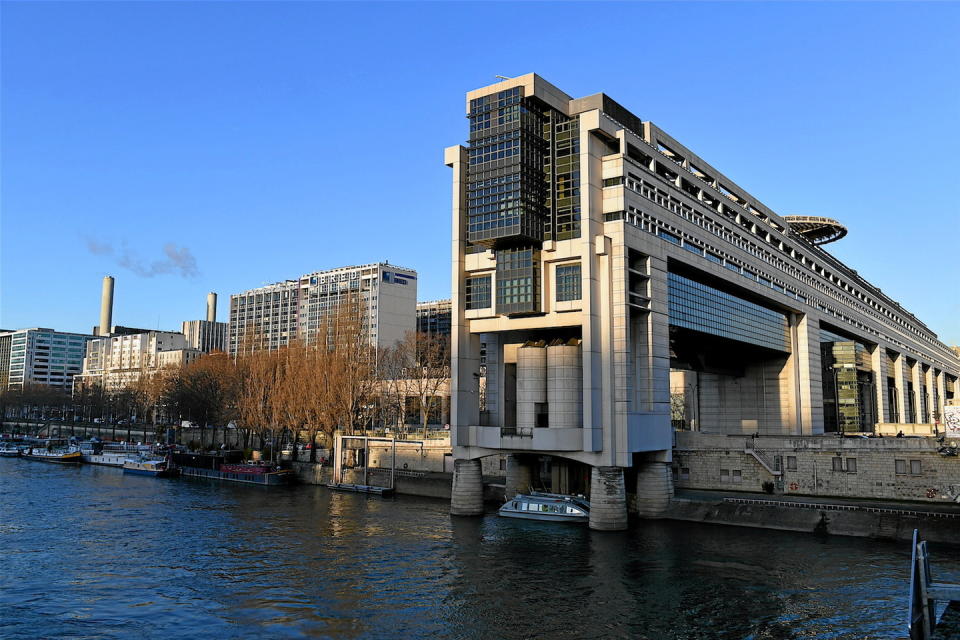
column 106, row 306
column 211, row 307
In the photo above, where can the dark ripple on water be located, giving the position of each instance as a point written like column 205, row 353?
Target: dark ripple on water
column 91, row 553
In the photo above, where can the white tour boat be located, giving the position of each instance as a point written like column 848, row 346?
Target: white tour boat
column 547, row 506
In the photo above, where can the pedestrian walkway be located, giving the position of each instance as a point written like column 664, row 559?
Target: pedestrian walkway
column 700, row 495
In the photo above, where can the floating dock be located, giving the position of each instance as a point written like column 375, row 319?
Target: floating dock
column 361, row 488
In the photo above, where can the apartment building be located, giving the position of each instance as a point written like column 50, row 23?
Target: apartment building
column 41, row 356
column 120, row 361
column 272, row 316
column 434, row 317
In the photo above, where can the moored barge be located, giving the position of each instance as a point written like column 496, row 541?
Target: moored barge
column 230, row 467
column 53, row 453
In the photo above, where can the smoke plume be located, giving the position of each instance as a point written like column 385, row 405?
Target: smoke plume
column 176, row 260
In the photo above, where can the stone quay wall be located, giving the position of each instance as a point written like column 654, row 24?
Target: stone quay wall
column 909, row 468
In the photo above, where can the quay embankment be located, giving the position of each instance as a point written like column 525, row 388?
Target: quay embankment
column 843, row 517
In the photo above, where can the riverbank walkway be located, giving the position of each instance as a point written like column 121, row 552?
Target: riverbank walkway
column 823, row 502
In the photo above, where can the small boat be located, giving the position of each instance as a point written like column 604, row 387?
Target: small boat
column 69, row 455
column 9, row 451
column 144, row 467
column 553, row 507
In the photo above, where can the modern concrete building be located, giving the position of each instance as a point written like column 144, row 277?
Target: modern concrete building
column 41, row 357
column 272, row 316
column 434, row 317
column 602, row 263
column 207, row 335
column 6, row 337
column 118, row 362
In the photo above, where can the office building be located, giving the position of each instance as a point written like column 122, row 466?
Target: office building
column 207, row 335
column 612, row 274
column 41, row 357
column 117, row 362
column 278, row 314
column 434, row 317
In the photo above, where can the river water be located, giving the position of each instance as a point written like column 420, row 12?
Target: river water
column 91, row 553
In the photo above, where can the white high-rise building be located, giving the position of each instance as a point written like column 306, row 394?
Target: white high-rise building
column 272, row 316
column 41, row 356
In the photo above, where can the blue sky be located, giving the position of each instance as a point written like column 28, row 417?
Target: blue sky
column 267, row 140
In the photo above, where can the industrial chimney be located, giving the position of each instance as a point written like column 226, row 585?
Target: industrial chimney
column 106, row 306
column 211, row 307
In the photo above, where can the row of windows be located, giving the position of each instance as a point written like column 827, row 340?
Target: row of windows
column 568, row 282
column 696, row 306
column 871, row 307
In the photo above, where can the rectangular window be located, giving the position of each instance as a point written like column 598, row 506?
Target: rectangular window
column 915, row 468
column 851, row 465
column 900, row 466
column 568, row 282
column 791, row 463
column 737, row 476
column 684, row 473
column 724, row 475
column 478, row 292
column 837, row 463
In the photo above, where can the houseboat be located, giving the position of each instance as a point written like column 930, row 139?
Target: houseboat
column 553, row 507
column 111, row 454
column 9, row 451
column 229, row 466
column 53, row 451
column 146, row 467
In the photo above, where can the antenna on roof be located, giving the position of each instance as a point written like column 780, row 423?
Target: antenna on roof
column 502, row 77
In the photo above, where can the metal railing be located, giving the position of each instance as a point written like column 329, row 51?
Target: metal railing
column 825, row 506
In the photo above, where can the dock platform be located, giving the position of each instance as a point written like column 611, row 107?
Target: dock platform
column 361, row 488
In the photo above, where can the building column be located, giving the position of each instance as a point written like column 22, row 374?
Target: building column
column 608, row 499
column 930, row 381
column 915, row 377
column 941, row 396
column 880, row 372
column 519, row 475
column 495, row 375
column 809, row 375
column 654, row 488
column 466, row 498
column 901, row 374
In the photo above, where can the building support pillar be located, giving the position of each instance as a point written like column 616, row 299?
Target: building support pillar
column 878, row 360
column 941, row 382
column 608, row 499
column 930, row 381
column 916, row 374
column 519, row 476
column 654, row 488
column 466, row 498
column 901, row 374
column 809, row 374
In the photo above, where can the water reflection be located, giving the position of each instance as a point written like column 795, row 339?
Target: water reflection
column 91, row 552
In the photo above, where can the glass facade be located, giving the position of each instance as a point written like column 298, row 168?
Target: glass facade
column 506, row 192
column 694, row 305
column 518, row 279
column 523, row 187
column 568, row 282
column 478, row 292
column 849, row 392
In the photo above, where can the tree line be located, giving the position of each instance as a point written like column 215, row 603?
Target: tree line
column 300, row 392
